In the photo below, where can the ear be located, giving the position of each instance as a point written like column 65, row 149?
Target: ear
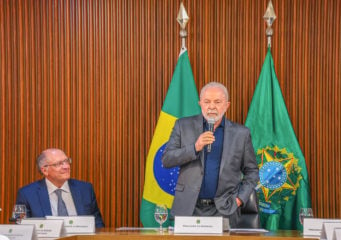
column 44, row 171
column 228, row 104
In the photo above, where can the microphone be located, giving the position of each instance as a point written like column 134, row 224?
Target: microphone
column 210, row 124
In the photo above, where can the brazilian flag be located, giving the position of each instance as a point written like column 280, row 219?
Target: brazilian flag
column 181, row 101
column 284, row 187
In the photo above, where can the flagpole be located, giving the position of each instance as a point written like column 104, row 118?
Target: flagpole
column 182, row 20
column 269, row 18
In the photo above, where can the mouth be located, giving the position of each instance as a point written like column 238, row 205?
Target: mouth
column 212, row 112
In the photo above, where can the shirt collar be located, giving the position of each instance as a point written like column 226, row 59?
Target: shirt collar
column 51, row 187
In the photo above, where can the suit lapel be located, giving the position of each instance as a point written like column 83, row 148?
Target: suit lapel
column 44, row 198
column 77, row 197
column 199, row 128
column 226, row 144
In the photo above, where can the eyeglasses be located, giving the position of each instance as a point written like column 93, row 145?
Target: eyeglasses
column 59, row 164
column 215, row 102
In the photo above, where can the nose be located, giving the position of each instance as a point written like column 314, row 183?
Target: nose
column 211, row 105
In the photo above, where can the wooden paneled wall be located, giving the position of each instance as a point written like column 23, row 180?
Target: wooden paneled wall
column 90, row 77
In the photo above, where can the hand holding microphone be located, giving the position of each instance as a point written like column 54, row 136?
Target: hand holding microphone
column 210, row 124
column 206, row 138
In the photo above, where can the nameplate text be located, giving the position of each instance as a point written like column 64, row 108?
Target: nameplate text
column 77, row 224
column 45, row 228
column 313, row 226
column 198, row 225
column 17, row 232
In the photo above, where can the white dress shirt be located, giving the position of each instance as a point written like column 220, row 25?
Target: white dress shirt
column 66, row 195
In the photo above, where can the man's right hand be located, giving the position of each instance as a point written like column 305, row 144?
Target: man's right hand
column 204, row 139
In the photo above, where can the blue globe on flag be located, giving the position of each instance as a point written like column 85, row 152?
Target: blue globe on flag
column 165, row 177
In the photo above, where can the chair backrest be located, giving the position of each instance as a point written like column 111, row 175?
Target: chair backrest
column 249, row 213
column 251, row 206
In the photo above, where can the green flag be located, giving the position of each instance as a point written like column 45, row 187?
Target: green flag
column 284, row 186
column 181, row 101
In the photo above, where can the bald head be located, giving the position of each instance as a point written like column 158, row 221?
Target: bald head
column 55, row 166
column 47, row 154
column 215, row 85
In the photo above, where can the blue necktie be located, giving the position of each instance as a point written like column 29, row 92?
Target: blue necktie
column 61, row 208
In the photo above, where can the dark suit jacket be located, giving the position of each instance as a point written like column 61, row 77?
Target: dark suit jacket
column 238, row 168
column 35, row 197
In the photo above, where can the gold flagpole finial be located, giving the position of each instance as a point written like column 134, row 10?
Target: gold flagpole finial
column 269, row 18
column 183, row 20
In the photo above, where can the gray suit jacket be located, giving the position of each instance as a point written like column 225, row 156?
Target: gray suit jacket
column 238, row 168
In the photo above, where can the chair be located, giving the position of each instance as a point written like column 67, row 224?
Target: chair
column 249, row 213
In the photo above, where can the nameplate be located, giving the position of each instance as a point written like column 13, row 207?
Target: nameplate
column 328, row 229
column 17, row 232
column 77, row 224
column 45, row 228
column 198, row 225
column 313, row 226
column 337, row 234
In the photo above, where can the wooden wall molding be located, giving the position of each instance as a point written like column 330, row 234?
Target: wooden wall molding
column 90, row 77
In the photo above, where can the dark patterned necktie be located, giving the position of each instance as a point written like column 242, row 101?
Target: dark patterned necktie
column 61, row 208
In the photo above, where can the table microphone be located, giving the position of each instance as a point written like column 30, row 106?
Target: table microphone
column 210, row 124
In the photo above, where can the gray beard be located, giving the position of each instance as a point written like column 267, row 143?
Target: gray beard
column 216, row 119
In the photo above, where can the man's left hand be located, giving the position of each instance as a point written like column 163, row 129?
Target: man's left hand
column 239, row 202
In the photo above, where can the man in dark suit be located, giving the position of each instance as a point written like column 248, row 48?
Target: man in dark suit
column 215, row 182
column 56, row 194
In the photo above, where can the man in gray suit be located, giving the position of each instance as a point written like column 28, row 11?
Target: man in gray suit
column 218, row 169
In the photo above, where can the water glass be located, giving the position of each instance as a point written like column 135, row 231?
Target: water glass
column 19, row 212
column 161, row 214
column 305, row 213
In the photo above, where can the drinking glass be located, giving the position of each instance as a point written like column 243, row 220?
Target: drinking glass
column 161, row 214
column 305, row 213
column 19, row 212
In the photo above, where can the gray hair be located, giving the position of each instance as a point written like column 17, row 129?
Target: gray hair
column 215, row 85
column 41, row 160
column 43, row 157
